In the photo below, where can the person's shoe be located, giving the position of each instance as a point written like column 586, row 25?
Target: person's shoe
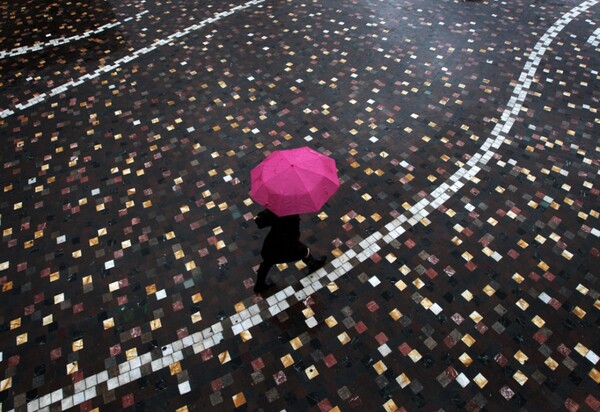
column 258, row 288
column 315, row 264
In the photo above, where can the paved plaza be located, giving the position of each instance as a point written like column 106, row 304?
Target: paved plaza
column 463, row 243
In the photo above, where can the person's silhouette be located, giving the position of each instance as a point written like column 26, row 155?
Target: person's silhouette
column 282, row 245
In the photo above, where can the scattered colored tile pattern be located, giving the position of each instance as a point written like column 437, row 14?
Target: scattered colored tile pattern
column 462, row 243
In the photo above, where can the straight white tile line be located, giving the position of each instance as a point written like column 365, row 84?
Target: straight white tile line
column 126, row 59
column 244, row 320
column 64, row 40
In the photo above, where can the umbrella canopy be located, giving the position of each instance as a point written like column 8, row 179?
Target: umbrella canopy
column 295, row 181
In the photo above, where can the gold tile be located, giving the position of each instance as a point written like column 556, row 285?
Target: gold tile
column 196, row 317
column 287, row 360
column 379, row 367
column 414, row 355
column 343, row 338
column 5, row 384
column 175, row 368
column 332, row 286
column 395, row 314
column 77, row 345
column 595, row 375
column 131, row 354
column 521, row 357
column 468, row 340
column 72, row 368
column 465, row 359
column 582, row 349
column 403, row 380
column 522, row 304
column 179, row 254
column 224, row 357
column 467, row 295
column 239, row 399
column 537, row 321
column 480, row 380
column 308, row 312
column 155, row 324
column 400, row 285
column 476, row 317
column 520, row 378
column 108, row 323
column 195, row 298
column 296, row 343
column 21, row 339
column 582, row 289
column 551, row 363
column 16, row 323
column 331, row 322
column 580, row 313
column 246, row 336
column 418, row 283
column 390, row 406
column 488, row 290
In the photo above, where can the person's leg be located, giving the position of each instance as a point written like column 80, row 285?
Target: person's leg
column 312, row 263
column 261, row 276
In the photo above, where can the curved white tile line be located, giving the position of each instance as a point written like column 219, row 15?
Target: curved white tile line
column 594, row 39
column 126, row 59
column 64, row 40
column 244, row 320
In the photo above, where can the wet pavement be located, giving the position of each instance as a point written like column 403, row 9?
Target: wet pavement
column 462, row 244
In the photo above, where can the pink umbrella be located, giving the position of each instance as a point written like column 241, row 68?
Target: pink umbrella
column 295, row 181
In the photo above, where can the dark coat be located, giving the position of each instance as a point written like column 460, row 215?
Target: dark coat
column 282, row 243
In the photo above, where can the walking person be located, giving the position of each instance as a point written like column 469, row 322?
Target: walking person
column 282, row 245
column 289, row 183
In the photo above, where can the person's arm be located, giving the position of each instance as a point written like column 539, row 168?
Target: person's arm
column 264, row 219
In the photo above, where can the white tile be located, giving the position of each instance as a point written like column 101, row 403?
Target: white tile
column 157, row 365
column 102, row 376
column 57, row 396
column 90, row 381
column 45, row 400
column 67, row 403
column 135, row 374
column 237, row 329
column 79, row 397
column 184, row 387
column 462, row 380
